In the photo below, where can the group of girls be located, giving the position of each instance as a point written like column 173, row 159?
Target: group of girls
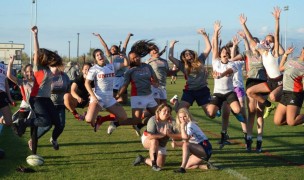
column 105, row 84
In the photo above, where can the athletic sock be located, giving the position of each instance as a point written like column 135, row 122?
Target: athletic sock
column 74, row 112
column 155, row 159
column 249, row 137
column 109, row 117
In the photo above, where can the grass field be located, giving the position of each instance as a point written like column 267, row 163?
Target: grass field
column 85, row 154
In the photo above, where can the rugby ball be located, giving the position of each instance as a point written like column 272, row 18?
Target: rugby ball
column 34, row 160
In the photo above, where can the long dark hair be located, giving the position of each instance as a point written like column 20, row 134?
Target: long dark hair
column 95, row 51
column 48, row 58
column 142, row 47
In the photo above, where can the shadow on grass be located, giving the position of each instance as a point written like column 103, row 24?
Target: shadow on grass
column 92, row 143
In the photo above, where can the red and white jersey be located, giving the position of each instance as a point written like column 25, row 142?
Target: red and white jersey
column 103, row 77
column 293, row 75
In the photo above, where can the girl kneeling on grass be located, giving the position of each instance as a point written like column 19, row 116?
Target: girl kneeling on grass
column 155, row 138
column 196, row 146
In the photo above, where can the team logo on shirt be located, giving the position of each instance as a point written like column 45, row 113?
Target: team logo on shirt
column 292, row 101
column 106, row 75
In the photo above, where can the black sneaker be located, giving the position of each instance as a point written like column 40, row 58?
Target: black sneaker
column 55, row 144
column 258, row 147
column 139, row 159
column 224, row 140
column 248, row 145
column 19, row 127
column 180, row 170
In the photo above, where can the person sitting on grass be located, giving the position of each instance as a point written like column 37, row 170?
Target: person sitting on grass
column 196, row 146
column 78, row 97
column 155, row 138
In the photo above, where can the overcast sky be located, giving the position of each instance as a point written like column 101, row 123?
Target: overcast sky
column 59, row 21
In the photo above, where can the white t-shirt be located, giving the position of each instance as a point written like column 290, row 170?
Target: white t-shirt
column 271, row 65
column 195, row 133
column 238, row 80
column 225, row 84
column 103, row 77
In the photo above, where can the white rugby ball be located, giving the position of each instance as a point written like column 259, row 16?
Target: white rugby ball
column 34, row 160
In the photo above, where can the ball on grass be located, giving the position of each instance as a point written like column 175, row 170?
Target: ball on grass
column 34, row 160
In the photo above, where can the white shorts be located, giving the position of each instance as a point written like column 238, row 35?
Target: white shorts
column 105, row 101
column 118, row 82
column 159, row 93
column 143, row 102
column 161, row 150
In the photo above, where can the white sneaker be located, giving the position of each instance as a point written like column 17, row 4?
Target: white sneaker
column 111, row 128
column 174, row 99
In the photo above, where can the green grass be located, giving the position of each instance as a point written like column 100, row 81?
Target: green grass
column 85, row 154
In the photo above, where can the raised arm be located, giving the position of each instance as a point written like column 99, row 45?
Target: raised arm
column 207, row 42
column 104, row 44
column 284, row 58
column 9, row 73
column 276, row 14
column 162, row 51
column 171, row 53
column 36, row 44
column 243, row 20
column 215, row 51
column 243, row 36
column 124, row 48
column 235, row 42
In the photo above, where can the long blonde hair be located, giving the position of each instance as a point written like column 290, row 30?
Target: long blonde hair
column 187, row 113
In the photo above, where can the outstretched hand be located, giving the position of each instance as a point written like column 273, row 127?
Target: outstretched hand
column 35, row 29
column 173, row 42
column 243, row 19
column 202, row 32
column 217, row 26
column 12, row 58
column 276, row 12
column 96, row 34
column 289, row 50
column 242, row 34
column 235, row 40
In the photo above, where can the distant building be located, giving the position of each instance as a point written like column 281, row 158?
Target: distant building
column 7, row 49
